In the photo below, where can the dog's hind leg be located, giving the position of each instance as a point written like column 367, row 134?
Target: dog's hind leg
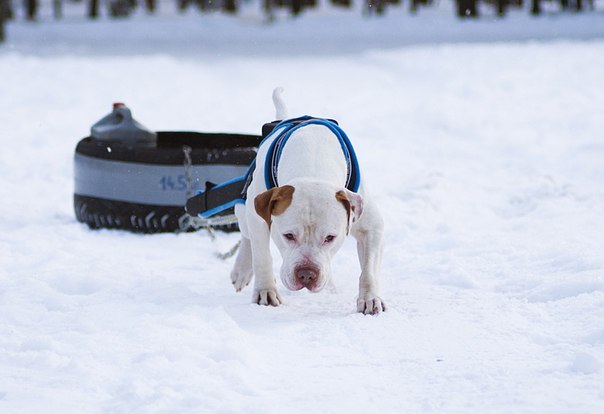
column 242, row 272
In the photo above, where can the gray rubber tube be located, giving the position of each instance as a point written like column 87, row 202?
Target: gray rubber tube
column 162, row 185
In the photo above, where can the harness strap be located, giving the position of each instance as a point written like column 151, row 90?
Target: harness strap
column 217, row 198
column 292, row 125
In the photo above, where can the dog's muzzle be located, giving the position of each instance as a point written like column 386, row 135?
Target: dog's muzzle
column 307, row 276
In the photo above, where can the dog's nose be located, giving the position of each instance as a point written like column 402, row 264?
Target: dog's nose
column 307, row 276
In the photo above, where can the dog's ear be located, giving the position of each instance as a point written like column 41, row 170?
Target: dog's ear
column 273, row 202
column 353, row 203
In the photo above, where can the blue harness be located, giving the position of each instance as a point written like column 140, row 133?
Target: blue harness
column 217, row 198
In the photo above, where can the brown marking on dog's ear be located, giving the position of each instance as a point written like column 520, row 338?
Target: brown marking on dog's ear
column 353, row 203
column 273, row 202
column 342, row 197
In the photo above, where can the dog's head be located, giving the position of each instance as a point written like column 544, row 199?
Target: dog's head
column 309, row 222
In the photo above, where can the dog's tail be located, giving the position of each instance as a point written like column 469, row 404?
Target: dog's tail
column 280, row 108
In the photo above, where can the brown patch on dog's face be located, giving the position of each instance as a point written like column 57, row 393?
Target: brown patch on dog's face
column 273, row 202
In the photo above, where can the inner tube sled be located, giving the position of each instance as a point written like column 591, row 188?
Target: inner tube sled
column 140, row 181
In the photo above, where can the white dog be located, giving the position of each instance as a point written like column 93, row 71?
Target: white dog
column 308, row 215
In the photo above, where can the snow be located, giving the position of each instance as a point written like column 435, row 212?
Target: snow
column 486, row 159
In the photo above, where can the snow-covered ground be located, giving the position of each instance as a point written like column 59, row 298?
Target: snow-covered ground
column 487, row 160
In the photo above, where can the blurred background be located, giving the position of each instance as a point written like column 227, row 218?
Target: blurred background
column 269, row 10
column 479, row 130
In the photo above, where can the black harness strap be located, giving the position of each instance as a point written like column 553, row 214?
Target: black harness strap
column 216, row 198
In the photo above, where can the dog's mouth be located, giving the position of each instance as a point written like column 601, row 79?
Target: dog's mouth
column 298, row 286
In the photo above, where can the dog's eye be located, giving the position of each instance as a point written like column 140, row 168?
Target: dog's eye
column 329, row 239
column 289, row 237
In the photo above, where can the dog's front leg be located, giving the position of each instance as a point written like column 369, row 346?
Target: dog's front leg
column 370, row 247
column 242, row 272
column 265, row 289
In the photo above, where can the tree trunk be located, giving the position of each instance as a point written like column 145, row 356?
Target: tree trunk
column 32, row 9
column 579, row 5
column 342, row 3
column 267, row 6
column 501, row 7
column 535, row 7
column 6, row 13
column 6, row 9
column 93, row 9
column 230, row 6
column 151, row 5
column 467, row 8
column 413, row 6
column 296, row 7
column 57, row 8
column 3, row 8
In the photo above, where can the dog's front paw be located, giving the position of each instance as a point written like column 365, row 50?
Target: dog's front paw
column 370, row 304
column 267, row 297
column 241, row 278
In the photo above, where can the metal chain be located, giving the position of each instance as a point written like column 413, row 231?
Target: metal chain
column 188, row 164
column 187, row 222
column 230, row 253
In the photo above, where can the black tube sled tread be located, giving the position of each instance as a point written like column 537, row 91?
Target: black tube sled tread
column 138, row 218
